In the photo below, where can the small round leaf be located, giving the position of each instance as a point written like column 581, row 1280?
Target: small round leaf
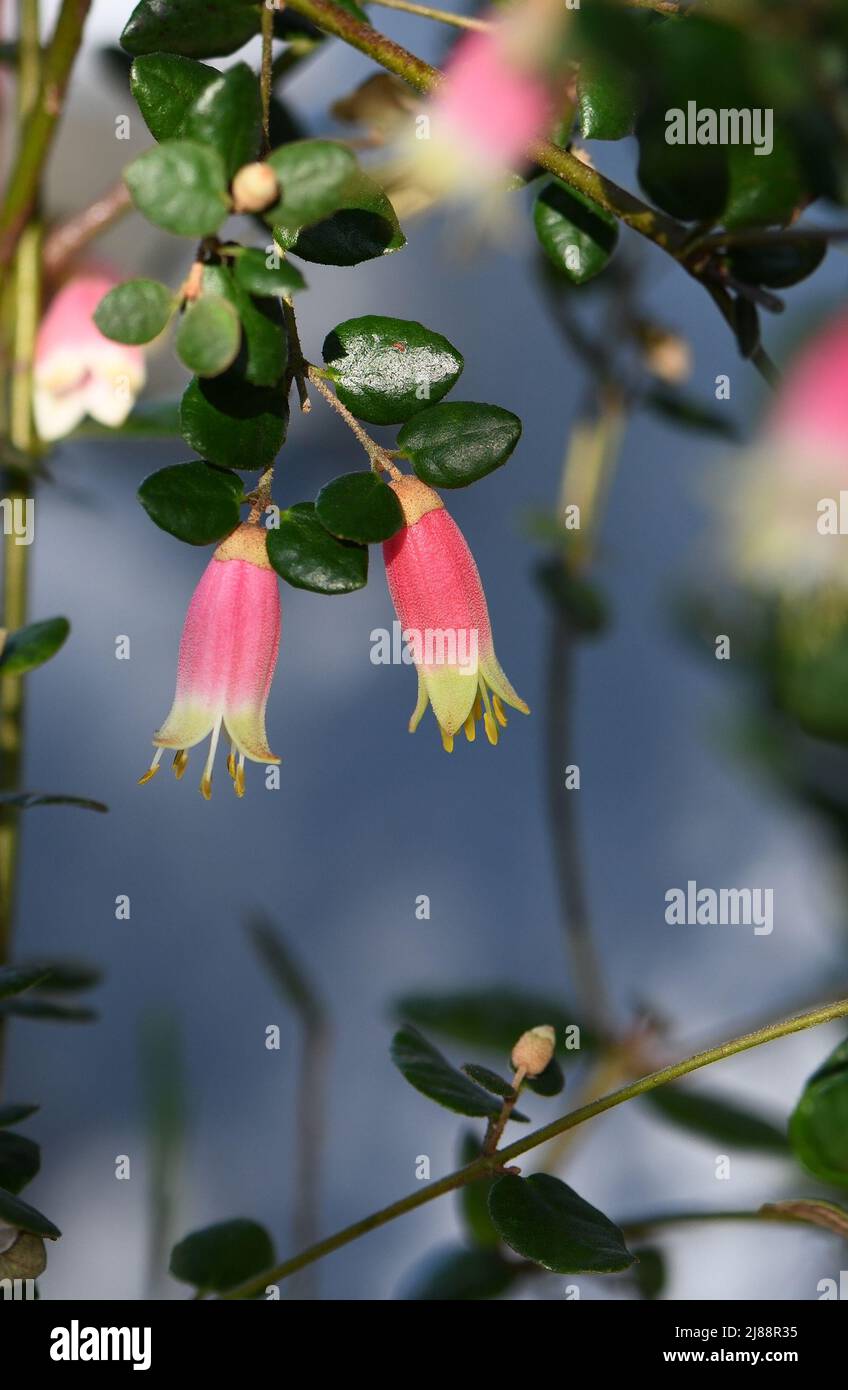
column 233, row 424
column 222, row 1256
column 304, row 553
column 547, row 1222
column 209, row 336
column 32, row 645
column 135, row 312
column 457, row 442
column 386, row 370
column 576, row 235
column 359, row 507
column 193, row 501
column 180, row 185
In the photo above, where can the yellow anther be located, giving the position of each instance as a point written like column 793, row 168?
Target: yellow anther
column 239, row 780
column 477, row 711
column 206, row 787
column 447, row 741
column 499, row 711
column 149, row 774
column 180, row 763
column 491, row 728
column 231, row 765
column 470, row 730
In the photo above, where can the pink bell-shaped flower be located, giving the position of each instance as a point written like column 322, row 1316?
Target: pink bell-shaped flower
column 439, row 599
column 227, row 657
column 77, row 371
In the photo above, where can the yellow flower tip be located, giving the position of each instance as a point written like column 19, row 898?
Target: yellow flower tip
column 477, row 708
column 470, row 729
column 149, row 775
column 534, row 1050
column 491, row 728
column 447, row 741
column 239, row 781
column 180, row 763
column 499, row 711
column 206, row 787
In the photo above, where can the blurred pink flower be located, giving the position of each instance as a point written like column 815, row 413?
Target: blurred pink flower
column 227, row 657
column 77, row 371
column 439, row 599
column 812, row 405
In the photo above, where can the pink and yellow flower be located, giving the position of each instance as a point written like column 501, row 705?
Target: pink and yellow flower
column 439, row 599
column 77, row 371
column 228, row 652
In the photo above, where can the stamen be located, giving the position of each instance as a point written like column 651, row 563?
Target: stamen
column 239, row 777
column 206, row 779
column 180, row 763
column 499, row 711
column 491, row 729
column 153, row 768
column 231, row 761
column 470, row 730
column 477, row 711
column 447, row 740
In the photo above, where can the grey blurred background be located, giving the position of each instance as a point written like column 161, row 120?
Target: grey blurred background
column 368, row 817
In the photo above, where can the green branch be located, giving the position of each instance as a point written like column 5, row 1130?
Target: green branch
column 485, row 1166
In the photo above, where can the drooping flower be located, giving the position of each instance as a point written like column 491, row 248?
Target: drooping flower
column 228, row 652
column 77, row 371
column 437, row 593
column 496, row 98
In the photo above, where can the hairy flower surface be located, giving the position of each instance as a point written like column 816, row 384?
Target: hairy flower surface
column 227, row 657
column 439, row 599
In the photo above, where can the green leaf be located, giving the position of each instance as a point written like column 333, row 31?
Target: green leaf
column 313, row 175
column 546, row 1222
column 16, row 1212
column 489, row 1080
column 681, row 409
column 228, row 116
column 777, row 266
column 22, row 801
column 549, row 1082
column 166, row 86
column 474, row 1198
column 254, row 275
column 222, row 1256
column 687, row 181
column 386, row 370
column 429, row 1072
column 233, row 424
column 48, row 1010
column 20, row 1160
column 720, row 1121
column 264, row 354
column 818, row 1126
column 195, row 28
column 363, row 227
column 359, row 507
column 67, row 976
column 493, row 1018
column 457, row 1275
column 576, row 235
column 135, row 312
column 764, row 189
column 649, row 1272
column 193, row 501
column 209, row 336
column 13, row 1114
column 14, row 979
column 457, row 442
column 149, row 420
column 304, row 553
column 32, row 645
column 579, row 600
column 180, row 185
column 606, row 100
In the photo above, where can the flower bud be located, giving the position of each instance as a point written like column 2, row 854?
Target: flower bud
column 255, row 188
column 24, row 1257
column 534, row 1050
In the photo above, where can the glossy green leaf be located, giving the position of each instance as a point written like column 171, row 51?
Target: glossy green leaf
column 576, row 235
column 457, row 442
column 549, row 1082
column 720, row 1121
column 32, row 645
column 304, row 553
column 264, row 351
column 456, row 1275
column 313, row 175
column 606, row 100
column 489, row 1080
column 14, row 1211
column 14, row 979
column 14, row 1114
column 180, row 185
column 764, row 189
column 428, row 1071
column 20, row 1160
column 257, row 277
column 547, row 1222
column 209, row 336
column 474, row 1197
column 195, row 28
column 193, row 501
column 818, row 1126
column 777, row 266
column 492, row 1018
column 385, row 369
column 363, row 227
column 22, row 801
column 222, row 1256
column 687, row 181
column 228, row 116
column 233, row 424
column 359, row 507
column 136, row 311
column 166, row 86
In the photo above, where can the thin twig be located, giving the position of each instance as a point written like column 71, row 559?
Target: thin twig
column 65, row 242
column 376, row 453
column 459, row 21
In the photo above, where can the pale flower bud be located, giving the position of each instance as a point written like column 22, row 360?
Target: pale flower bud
column 255, row 188
column 534, row 1050
column 24, row 1258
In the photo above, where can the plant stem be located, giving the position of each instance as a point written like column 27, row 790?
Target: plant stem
column 378, row 455
column 486, row 1165
column 40, row 125
column 459, row 21
column 65, row 242
column 267, row 71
